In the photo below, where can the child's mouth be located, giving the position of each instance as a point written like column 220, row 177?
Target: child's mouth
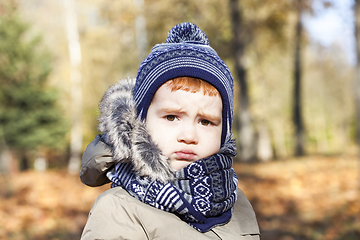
column 185, row 155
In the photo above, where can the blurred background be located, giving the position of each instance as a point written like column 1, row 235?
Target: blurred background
column 297, row 105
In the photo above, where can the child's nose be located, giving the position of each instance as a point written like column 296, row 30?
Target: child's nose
column 188, row 134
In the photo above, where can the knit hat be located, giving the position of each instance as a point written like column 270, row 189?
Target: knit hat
column 186, row 53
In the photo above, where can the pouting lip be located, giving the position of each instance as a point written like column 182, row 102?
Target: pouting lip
column 185, row 154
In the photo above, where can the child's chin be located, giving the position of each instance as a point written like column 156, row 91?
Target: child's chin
column 179, row 164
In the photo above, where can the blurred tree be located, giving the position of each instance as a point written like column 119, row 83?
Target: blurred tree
column 259, row 33
column 297, row 100
column 241, row 37
column 140, row 29
column 357, row 76
column 29, row 115
column 327, row 105
column 76, row 90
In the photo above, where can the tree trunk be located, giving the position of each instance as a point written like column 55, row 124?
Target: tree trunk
column 264, row 149
column 297, row 103
column 140, row 30
column 24, row 161
column 6, row 160
column 247, row 143
column 76, row 91
column 40, row 163
column 4, row 153
column 357, row 76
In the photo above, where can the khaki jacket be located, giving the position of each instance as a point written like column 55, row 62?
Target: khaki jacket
column 117, row 215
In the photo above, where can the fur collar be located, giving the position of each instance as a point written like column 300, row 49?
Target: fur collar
column 128, row 137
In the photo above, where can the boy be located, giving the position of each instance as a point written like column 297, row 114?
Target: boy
column 166, row 147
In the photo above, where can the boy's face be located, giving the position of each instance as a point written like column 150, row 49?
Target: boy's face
column 186, row 126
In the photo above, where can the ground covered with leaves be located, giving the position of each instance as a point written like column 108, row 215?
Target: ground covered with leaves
column 307, row 198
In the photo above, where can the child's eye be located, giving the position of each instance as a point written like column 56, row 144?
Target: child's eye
column 170, row 118
column 205, row 122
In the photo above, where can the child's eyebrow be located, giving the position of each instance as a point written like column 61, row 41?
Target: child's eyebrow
column 212, row 118
column 172, row 110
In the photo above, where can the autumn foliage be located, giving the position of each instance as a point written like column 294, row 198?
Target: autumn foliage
column 306, row 198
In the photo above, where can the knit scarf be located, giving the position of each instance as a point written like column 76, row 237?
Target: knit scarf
column 203, row 193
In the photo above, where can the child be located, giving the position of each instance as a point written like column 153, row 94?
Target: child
column 167, row 148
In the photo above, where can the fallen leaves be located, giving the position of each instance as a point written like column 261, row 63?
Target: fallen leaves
column 307, row 198
column 304, row 198
column 45, row 206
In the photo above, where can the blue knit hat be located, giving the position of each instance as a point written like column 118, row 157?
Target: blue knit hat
column 186, row 53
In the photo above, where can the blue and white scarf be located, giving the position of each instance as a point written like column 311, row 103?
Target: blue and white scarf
column 203, row 193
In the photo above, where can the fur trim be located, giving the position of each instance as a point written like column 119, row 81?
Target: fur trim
column 127, row 135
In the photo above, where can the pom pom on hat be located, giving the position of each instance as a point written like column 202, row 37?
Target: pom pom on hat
column 187, row 32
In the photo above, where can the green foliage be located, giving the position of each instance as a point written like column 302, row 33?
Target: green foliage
column 29, row 115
